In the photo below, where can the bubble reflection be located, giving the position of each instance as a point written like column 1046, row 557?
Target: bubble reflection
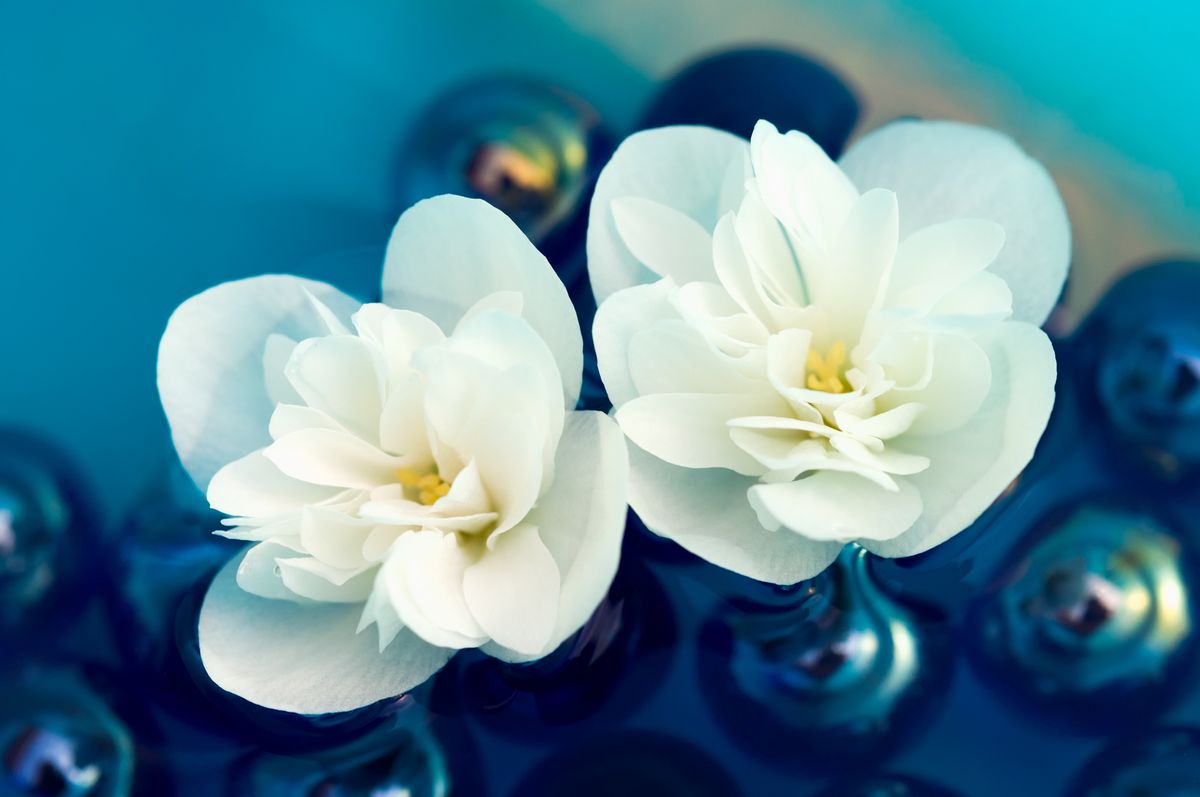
column 528, row 148
column 58, row 740
column 1094, row 618
column 838, row 671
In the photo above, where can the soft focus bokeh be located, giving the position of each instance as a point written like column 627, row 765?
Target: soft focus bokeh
column 148, row 151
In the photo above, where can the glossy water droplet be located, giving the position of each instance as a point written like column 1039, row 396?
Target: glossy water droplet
column 530, row 149
column 58, row 740
column 828, row 670
column 734, row 89
column 1158, row 763
column 604, row 671
column 46, row 536
column 1095, row 617
column 628, row 762
column 1140, row 348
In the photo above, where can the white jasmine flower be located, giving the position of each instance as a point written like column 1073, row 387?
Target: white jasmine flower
column 415, row 466
column 808, row 353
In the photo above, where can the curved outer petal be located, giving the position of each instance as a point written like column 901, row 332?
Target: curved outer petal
column 210, row 363
column 973, row 464
column 685, row 168
column 504, row 341
column 253, row 486
column 618, row 319
column 708, row 513
column 303, row 658
column 948, row 170
column 691, row 429
column 512, row 591
column 838, row 506
column 582, row 520
column 423, row 581
column 448, row 252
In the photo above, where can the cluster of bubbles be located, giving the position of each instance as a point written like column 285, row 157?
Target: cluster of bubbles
column 1075, row 594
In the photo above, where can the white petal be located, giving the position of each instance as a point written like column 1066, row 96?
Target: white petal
column 342, row 376
column 276, row 353
column 934, row 260
column 495, row 418
column 973, row 464
column 303, row 658
column 503, row 341
column 510, row 302
column 888, row 459
column 289, row 418
column 690, row 429
column 397, row 513
column 787, row 354
column 788, row 457
column 253, row 486
column 882, row 426
column 862, row 258
column 423, row 578
column 766, row 246
column 210, row 364
column 683, row 168
column 947, row 170
column 710, row 308
column 449, row 252
column 984, row 298
column 513, row 591
column 507, row 454
column 831, row 505
column 334, row 537
column 467, row 507
column 379, row 542
column 582, row 518
column 258, row 571
column 959, row 382
column 402, row 429
column 398, row 332
column 621, row 316
column 666, row 241
column 799, row 184
column 708, row 513
column 326, row 456
column 670, row 356
column 735, row 272
column 318, row 581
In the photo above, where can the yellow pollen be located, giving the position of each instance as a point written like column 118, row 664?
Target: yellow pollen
column 431, row 487
column 825, row 373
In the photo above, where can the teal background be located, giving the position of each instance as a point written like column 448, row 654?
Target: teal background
column 149, row 150
column 1125, row 72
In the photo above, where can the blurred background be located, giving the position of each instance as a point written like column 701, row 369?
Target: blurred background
column 148, row 151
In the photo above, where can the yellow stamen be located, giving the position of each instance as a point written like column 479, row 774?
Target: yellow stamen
column 825, row 373
column 431, row 487
column 407, row 476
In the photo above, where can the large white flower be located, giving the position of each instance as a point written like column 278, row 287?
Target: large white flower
column 415, row 466
column 807, row 353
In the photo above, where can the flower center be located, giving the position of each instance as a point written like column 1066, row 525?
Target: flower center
column 825, row 373
column 430, row 486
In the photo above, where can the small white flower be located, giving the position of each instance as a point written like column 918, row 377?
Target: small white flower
column 807, row 354
column 414, row 465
